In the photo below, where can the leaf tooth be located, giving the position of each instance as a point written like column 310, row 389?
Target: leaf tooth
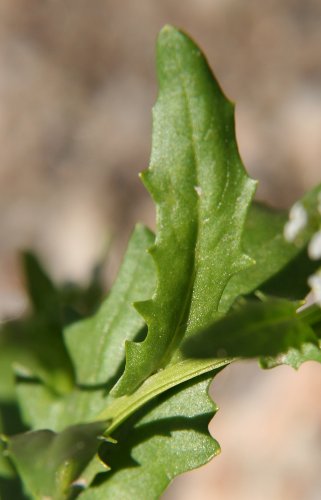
column 144, row 176
column 145, row 309
column 147, row 179
column 133, row 351
column 152, row 250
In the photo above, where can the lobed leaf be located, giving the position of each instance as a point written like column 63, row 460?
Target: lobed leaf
column 293, row 357
column 202, row 194
column 257, row 329
column 310, row 350
column 169, row 436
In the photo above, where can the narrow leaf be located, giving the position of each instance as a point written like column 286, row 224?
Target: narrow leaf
column 202, row 193
column 42, row 293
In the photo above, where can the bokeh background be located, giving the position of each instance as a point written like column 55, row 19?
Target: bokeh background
column 77, row 83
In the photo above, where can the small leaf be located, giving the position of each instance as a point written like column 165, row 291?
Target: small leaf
column 294, row 357
column 41, row 291
column 202, row 194
column 256, row 329
column 309, row 351
column 49, row 463
column 96, row 346
column 282, row 268
column 35, row 342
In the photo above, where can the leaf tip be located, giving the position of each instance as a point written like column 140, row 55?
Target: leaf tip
column 174, row 38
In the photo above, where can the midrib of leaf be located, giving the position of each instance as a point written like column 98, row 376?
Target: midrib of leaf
column 119, row 409
column 188, row 301
column 178, row 334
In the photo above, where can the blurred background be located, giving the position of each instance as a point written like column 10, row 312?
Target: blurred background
column 77, row 83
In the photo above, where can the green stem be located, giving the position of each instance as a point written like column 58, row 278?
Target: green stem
column 311, row 314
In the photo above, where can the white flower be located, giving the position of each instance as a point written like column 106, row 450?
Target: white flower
column 314, row 283
column 314, row 248
column 298, row 219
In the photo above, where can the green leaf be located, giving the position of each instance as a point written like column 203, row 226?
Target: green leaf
column 294, row 357
column 263, row 240
column 45, row 409
column 202, row 194
column 168, row 437
column 178, row 407
column 119, row 409
column 309, row 351
column 256, row 329
column 42, row 293
column 282, row 268
column 10, row 486
column 96, row 346
column 49, row 463
column 291, row 280
column 159, row 409
column 34, row 344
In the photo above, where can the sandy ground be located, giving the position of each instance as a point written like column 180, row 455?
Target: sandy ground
column 77, row 82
